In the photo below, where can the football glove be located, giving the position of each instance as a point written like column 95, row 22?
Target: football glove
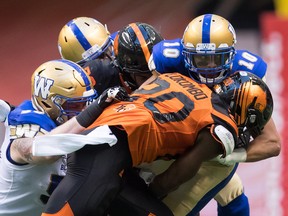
column 110, row 94
column 94, row 110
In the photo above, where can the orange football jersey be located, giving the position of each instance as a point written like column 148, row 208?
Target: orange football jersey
column 166, row 117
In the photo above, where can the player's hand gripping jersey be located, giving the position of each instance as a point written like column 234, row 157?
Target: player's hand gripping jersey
column 25, row 121
column 167, row 57
column 156, row 128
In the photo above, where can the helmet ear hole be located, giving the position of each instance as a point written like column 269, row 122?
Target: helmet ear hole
column 46, row 105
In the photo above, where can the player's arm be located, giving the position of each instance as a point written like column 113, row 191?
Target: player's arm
column 92, row 112
column 71, row 126
column 21, row 152
column 266, row 145
column 185, row 167
column 64, row 139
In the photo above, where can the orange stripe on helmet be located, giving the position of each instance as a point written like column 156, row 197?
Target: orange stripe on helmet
column 244, row 101
column 141, row 40
column 116, row 44
column 246, row 88
column 65, row 211
column 237, row 93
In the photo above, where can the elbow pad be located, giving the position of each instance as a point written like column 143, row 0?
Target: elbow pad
column 225, row 137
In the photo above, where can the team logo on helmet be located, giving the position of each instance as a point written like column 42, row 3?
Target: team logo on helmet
column 42, row 86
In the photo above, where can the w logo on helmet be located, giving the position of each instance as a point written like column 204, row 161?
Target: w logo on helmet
column 42, row 86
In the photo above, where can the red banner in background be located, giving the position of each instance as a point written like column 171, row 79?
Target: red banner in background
column 275, row 52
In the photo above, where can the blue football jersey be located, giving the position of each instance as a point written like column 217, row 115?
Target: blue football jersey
column 167, row 57
column 247, row 61
column 26, row 114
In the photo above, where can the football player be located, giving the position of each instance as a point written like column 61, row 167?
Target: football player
column 60, row 90
column 206, row 53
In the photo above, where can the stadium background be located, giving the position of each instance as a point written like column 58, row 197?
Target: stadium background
column 29, row 31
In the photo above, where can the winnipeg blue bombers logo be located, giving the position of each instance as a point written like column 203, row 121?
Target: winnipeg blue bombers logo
column 42, row 86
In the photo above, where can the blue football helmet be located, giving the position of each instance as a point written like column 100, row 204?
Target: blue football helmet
column 208, row 48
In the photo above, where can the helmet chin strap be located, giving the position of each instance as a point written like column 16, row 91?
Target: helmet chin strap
column 59, row 120
column 244, row 137
column 253, row 122
column 125, row 84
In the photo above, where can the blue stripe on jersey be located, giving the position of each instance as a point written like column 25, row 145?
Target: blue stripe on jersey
column 79, row 35
column 206, row 28
column 80, row 71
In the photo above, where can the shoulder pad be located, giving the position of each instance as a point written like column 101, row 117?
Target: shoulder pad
column 26, row 114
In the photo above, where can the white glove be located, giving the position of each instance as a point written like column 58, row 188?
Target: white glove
column 238, row 155
column 118, row 93
column 4, row 110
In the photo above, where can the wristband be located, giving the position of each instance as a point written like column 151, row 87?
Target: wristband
column 238, row 155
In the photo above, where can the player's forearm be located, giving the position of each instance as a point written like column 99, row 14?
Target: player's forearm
column 261, row 149
column 266, row 145
column 71, row 126
column 21, row 152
